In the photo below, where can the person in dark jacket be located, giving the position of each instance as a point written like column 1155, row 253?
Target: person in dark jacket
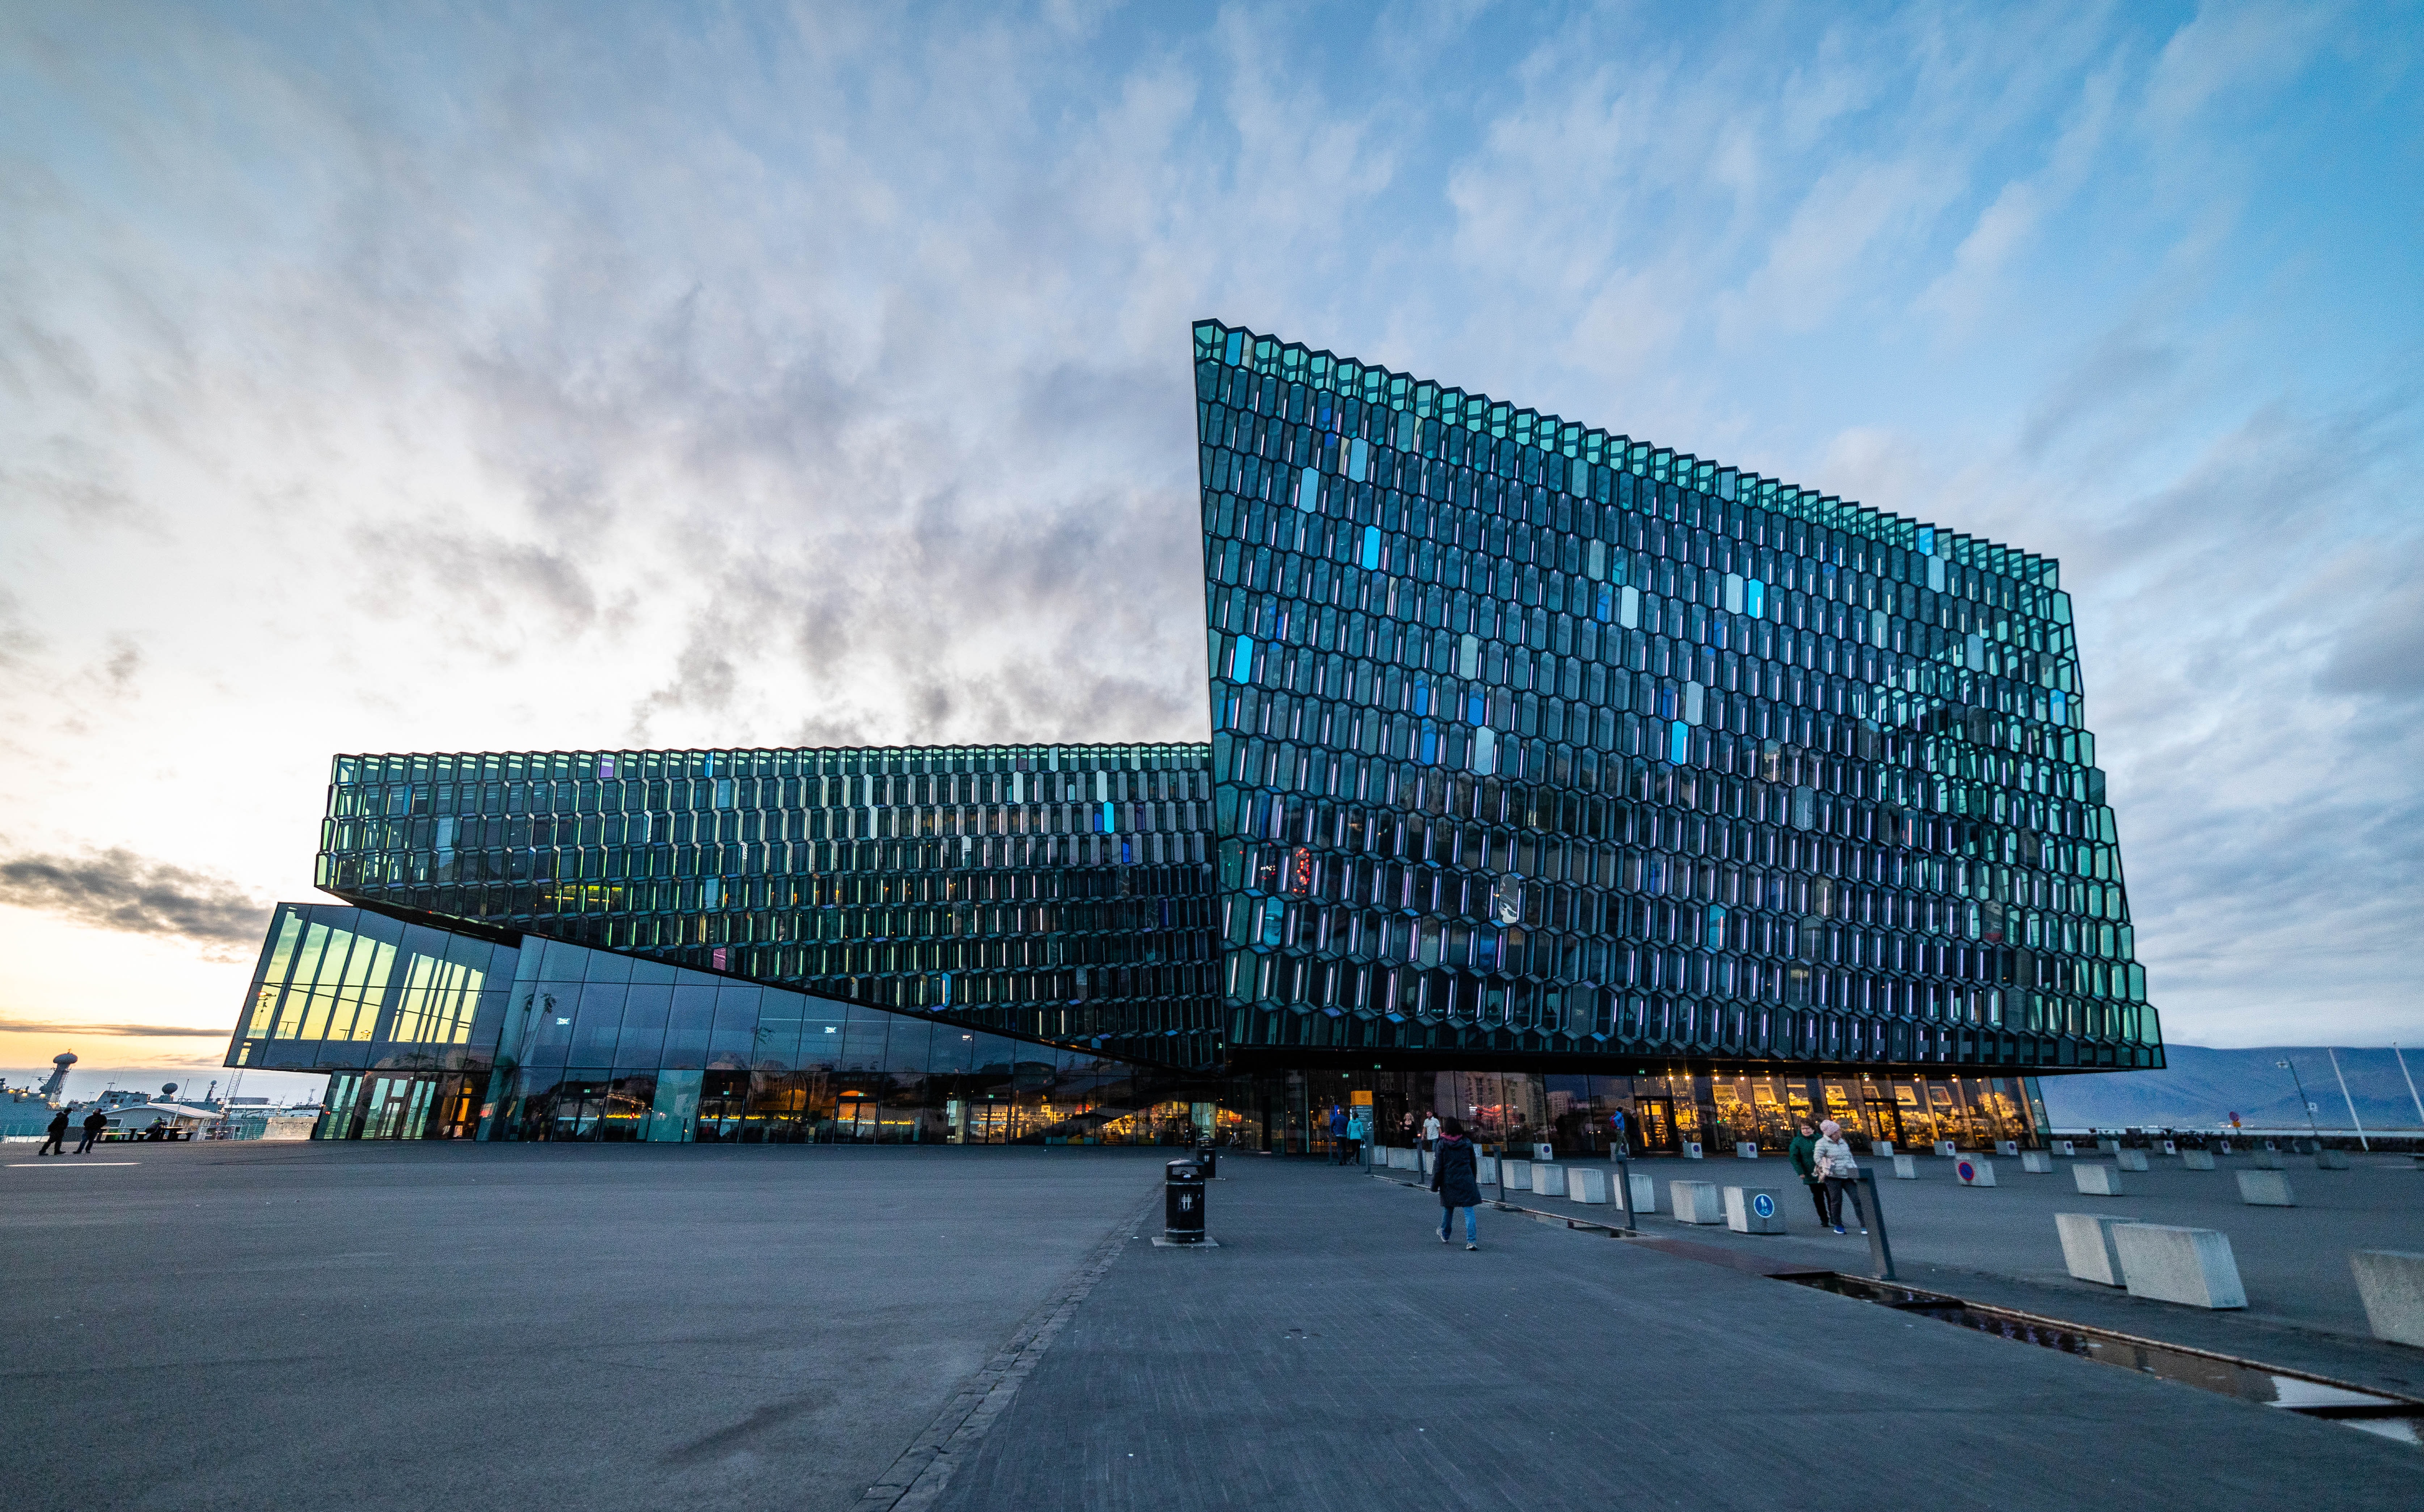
column 1338, row 1144
column 1802, row 1152
column 1456, row 1177
column 57, row 1143
column 94, row 1123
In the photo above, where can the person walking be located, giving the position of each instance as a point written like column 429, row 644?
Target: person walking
column 1831, row 1158
column 1338, row 1135
column 57, row 1143
column 1430, row 1131
column 94, row 1123
column 1456, row 1175
column 1802, row 1153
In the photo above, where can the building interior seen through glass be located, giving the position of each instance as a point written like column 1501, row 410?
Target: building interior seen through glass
column 1530, row 737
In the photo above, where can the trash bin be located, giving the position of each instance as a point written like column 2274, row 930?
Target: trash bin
column 1209, row 1159
column 1182, row 1212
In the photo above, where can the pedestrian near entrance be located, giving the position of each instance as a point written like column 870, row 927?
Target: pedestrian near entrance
column 1456, row 1175
column 94, row 1123
column 1803, row 1153
column 57, row 1143
column 1832, row 1159
column 1430, row 1131
column 1338, row 1146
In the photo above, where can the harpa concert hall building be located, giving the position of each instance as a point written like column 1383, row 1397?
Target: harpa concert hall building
column 1551, row 773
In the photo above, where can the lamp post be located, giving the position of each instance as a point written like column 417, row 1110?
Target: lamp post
column 2303, row 1101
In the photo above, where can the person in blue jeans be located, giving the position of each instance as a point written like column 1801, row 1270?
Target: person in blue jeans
column 1456, row 1177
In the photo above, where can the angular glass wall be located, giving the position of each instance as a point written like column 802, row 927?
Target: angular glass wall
column 1537, row 741
column 1057, row 893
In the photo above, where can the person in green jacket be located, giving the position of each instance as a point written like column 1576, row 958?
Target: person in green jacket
column 1802, row 1153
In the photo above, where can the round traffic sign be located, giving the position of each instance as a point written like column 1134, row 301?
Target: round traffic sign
column 1763, row 1205
column 1967, row 1171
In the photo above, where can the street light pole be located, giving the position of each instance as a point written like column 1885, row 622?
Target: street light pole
column 2394, row 1050
column 2303, row 1101
column 2346, row 1098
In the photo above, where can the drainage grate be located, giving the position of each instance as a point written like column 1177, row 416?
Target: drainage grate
column 2393, row 1417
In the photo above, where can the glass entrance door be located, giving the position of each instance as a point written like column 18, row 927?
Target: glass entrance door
column 1655, row 1121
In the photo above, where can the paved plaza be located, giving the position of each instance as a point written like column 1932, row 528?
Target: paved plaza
column 393, row 1326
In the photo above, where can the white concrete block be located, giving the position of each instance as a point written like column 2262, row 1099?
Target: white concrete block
column 2108, row 1146
column 2263, row 1159
column 2266, row 1188
column 2329, row 1159
column 1754, row 1210
column 2066, row 1147
column 1882, row 1148
column 2196, row 1160
column 2096, row 1180
column 1516, row 1175
column 1429, row 1159
column 1401, row 1159
column 1944, row 1149
column 1906, row 1167
column 1587, row 1184
column 2192, row 1266
column 1746, row 1150
column 1644, row 1194
column 1485, row 1171
column 1548, row 1181
column 1696, row 1201
column 1691, row 1149
column 2171, row 1147
column 2087, row 1249
column 2008, row 1147
column 1544, row 1151
column 2129, row 1159
column 1974, row 1171
column 2036, row 1162
column 2391, row 1282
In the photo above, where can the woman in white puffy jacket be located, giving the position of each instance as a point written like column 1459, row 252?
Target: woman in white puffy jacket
column 1838, row 1173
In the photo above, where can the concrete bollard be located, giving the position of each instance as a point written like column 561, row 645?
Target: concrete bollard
column 1691, row 1149
column 1881, row 1148
column 1753, row 1210
column 1696, row 1201
column 2330, row 1159
column 1974, row 1171
column 1746, row 1150
column 2266, row 1188
column 1485, row 1171
column 2192, row 1266
column 1944, row 1149
column 1515, row 1174
column 2391, row 1282
column 1544, row 1154
column 1906, row 1167
column 2036, row 1162
column 1548, row 1181
column 2087, row 1250
column 2265, row 1158
column 1644, row 1194
column 2107, row 1147
column 2010, row 1148
column 2171, row 1147
column 2095, row 1179
column 1428, row 1157
column 2196, row 1160
column 2130, row 1159
column 1587, row 1184
column 2065, row 1148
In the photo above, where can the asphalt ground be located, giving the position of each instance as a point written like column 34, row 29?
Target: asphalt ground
column 392, row 1326
column 1998, row 1245
column 389, row 1326
column 1332, row 1354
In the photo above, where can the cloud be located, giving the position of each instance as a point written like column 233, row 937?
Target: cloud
column 134, row 1031
column 119, row 891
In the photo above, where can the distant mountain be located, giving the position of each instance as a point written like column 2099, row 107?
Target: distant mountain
column 2203, row 1088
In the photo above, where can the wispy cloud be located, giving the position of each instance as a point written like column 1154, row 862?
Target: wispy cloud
column 129, row 1031
column 128, row 894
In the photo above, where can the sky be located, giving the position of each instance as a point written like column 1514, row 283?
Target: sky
column 418, row 377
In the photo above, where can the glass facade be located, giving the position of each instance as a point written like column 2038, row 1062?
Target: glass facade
column 1551, row 775
column 1535, row 741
